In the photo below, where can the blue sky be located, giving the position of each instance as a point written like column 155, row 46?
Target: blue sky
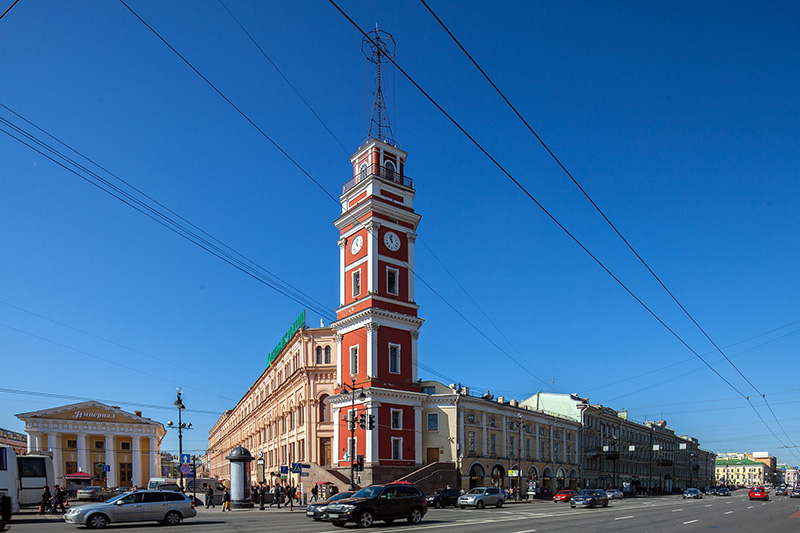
column 679, row 119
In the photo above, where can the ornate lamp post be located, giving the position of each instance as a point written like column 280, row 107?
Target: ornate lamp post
column 181, row 427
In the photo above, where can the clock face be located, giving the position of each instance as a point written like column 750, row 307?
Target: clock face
column 391, row 240
column 356, row 244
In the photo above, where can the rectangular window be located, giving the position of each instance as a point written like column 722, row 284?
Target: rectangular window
column 99, row 445
column 394, row 358
column 527, row 447
column 397, row 419
column 569, row 453
column 471, row 442
column 72, row 444
column 433, row 421
column 555, row 451
column 493, row 444
column 125, row 472
column 70, row 467
column 356, row 276
column 428, row 390
column 125, row 446
column 391, row 280
column 511, row 446
column 3, row 458
column 354, row 360
column 397, row 448
column 542, row 449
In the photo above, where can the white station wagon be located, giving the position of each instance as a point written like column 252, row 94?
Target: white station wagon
column 161, row 506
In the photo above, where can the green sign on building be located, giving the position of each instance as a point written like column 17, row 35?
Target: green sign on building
column 299, row 323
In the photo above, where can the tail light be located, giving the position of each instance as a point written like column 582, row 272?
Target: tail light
column 192, row 503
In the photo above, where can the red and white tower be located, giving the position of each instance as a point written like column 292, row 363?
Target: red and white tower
column 377, row 324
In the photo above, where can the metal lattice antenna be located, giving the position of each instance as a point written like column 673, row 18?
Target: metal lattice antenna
column 378, row 47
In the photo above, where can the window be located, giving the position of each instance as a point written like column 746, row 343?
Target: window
column 99, row 445
column 493, row 444
column 324, row 409
column 428, row 390
column 394, row 358
column 3, row 458
column 471, row 419
column 319, row 355
column 397, row 448
column 569, row 453
column 492, row 423
column 397, row 419
column 356, row 283
column 363, row 170
column 555, row 451
column 72, row 444
column 471, row 442
column 125, row 446
column 541, row 432
column 542, row 450
column 354, row 360
column 527, row 447
column 511, row 446
column 327, row 355
column 70, row 467
column 569, row 436
column 391, row 280
column 390, row 167
column 556, row 434
column 125, row 472
column 153, row 497
column 433, row 421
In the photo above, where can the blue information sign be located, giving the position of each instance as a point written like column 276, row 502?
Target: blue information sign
column 297, row 468
column 106, row 468
column 186, row 459
column 284, row 470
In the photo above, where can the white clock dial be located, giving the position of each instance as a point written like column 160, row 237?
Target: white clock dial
column 391, row 240
column 355, row 247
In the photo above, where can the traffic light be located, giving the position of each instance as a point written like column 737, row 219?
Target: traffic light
column 362, row 421
column 371, row 422
column 359, row 462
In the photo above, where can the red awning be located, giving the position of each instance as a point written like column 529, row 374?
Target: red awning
column 79, row 475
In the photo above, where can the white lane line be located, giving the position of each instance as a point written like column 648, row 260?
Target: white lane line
column 690, row 522
column 526, row 531
column 709, row 505
column 676, row 510
column 728, row 512
column 749, row 506
column 623, row 517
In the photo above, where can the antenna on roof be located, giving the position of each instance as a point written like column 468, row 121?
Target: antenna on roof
column 378, row 47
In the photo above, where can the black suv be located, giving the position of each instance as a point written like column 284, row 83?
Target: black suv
column 443, row 498
column 380, row 502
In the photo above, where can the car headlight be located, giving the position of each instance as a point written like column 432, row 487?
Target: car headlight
column 347, row 508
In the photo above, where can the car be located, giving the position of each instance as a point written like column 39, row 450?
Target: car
column 589, row 498
column 710, row 491
column 174, row 487
column 161, row 506
column 443, row 498
column 781, row 491
column 380, row 502
column 318, row 510
column 95, row 494
column 795, row 493
column 759, row 493
column 615, row 494
column 564, row 495
column 723, row 491
column 692, row 494
column 480, row 497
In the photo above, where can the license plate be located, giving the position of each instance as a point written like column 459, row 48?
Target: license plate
column 333, row 515
column 309, row 513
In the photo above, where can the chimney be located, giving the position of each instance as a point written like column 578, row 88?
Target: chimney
column 137, row 413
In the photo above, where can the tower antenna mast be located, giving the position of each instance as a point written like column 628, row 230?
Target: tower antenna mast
column 378, row 47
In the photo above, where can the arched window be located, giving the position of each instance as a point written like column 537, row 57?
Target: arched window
column 327, row 355
column 324, row 409
column 319, row 355
column 389, row 166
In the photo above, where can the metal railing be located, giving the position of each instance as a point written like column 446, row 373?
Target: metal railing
column 381, row 172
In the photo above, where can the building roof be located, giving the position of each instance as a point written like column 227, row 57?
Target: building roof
column 735, row 462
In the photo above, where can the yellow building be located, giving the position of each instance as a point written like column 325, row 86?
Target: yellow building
column 85, row 437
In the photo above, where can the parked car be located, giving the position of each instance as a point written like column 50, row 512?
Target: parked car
column 615, row 494
column 781, row 491
column 380, row 502
column 564, row 495
column 317, row 510
column 443, row 498
column 795, row 493
column 174, row 487
column 162, row 506
column 480, row 497
column 710, row 491
column 95, row 494
column 759, row 493
column 692, row 494
column 723, row 491
column 589, row 498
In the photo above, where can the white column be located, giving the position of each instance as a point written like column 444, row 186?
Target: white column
column 33, row 443
column 412, row 237
column 505, row 437
column 371, row 348
column 414, row 369
column 418, row 434
column 342, row 244
column 83, row 453
column 484, row 450
column 336, row 413
column 54, row 443
column 461, row 448
column 111, row 461
column 536, row 452
column 372, row 255
column 339, row 377
column 136, row 459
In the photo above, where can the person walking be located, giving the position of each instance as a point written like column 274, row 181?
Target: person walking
column 290, row 494
column 277, row 493
column 314, row 492
column 58, row 500
column 46, row 496
column 210, row 497
column 226, row 500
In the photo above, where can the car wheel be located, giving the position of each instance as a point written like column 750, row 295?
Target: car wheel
column 173, row 518
column 415, row 517
column 499, row 503
column 97, row 521
column 605, row 503
column 337, row 523
column 480, row 505
column 101, row 499
column 437, row 505
column 365, row 519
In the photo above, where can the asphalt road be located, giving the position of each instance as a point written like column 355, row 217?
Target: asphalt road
column 656, row 514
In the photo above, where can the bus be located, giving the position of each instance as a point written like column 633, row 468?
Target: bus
column 23, row 477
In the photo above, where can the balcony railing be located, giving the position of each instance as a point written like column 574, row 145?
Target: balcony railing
column 380, row 172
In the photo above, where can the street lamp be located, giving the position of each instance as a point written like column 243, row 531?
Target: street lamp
column 518, row 423
column 181, row 427
column 352, row 422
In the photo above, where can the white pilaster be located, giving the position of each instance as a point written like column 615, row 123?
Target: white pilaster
column 372, row 254
column 54, row 443
column 83, row 453
column 342, row 244
column 337, row 420
column 111, row 461
column 414, row 369
column 372, row 349
column 418, row 434
column 485, row 449
column 505, row 437
column 136, row 459
column 339, row 377
column 462, row 443
column 412, row 237
column 34, row 441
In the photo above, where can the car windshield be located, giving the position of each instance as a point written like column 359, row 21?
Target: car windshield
column 368, row 492
column 586, row 492
column 476, row 491
column 340, row 496
column 565, row 492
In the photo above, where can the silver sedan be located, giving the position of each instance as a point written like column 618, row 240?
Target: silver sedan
column 480, row 497
column 161, row 506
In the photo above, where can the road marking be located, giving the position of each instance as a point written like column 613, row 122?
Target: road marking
column 526, row 531
column 623, row 517
column 690, row 522
column 709, row 505
column 728, row 512
column 676, row 510
column 749, row 506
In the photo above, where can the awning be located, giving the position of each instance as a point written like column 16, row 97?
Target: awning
column 79, row 475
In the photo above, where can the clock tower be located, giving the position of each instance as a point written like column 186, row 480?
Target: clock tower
column 377, row 324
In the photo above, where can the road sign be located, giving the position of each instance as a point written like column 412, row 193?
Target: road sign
column 106, row 468
column 297, row 468
column 186, row 459
column 306, row 466
column 305, row 473
column 186, row 469
column 284, row 470
column 192, row 472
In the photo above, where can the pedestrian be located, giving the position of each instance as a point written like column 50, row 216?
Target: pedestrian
column 334, row 490
column 290, row 494
column 314, row 492
column 58, row 500
column 261, row 496
column 226, row 500
column 277, row 493
column 46, row 496
column 210, row 497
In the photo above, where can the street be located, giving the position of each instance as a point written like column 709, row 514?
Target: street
column 654, row 514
